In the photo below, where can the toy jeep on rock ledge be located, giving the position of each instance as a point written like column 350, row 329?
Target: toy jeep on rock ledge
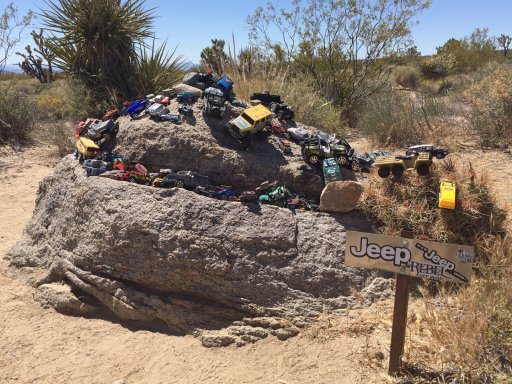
column 396, row 165
column 323, row 146
column 252, row 121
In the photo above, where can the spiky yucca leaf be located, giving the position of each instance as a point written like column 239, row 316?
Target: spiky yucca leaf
column 156, row 69
column 96, row 40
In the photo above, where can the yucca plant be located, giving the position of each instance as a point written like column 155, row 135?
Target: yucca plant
column 156, row 69
column 99, row 40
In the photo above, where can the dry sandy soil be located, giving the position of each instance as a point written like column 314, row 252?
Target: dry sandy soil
column 38, row 345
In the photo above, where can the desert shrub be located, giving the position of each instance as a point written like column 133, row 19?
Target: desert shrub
column 471, row 52
column 437, row 66
column 58, row 133
column 69, row 99
column 402, row 118
column 407, row 77
column 491, row 101
column 17, row 117
column 463, row 330
column 389, row 118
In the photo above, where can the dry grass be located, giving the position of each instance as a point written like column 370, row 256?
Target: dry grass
column 309, row 107
column 491, row 102
column 399, row 118
column 459, row 334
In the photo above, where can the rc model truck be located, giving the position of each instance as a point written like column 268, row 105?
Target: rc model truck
column 439, row 153
column 396, row 165
column 273, row 102
column 251, row 122
column 323, row 146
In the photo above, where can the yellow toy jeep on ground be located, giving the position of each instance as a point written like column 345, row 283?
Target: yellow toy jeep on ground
column 396, row 165
column 447, row 195
column 85, row 149
column 252, row 121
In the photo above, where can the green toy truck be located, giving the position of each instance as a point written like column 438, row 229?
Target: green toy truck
column 396, row 165
column 323, row 146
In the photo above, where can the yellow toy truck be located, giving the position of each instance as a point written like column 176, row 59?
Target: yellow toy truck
column 447, row 195
column 85, row 149
column 252, row 121
column 396, row 165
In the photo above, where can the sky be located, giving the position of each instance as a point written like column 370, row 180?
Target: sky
column 190, row 25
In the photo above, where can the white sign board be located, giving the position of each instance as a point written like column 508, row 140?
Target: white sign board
column 418, row 258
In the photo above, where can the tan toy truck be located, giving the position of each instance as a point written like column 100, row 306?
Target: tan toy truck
column 396, row 165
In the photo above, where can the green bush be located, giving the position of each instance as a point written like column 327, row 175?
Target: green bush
column 17, row 115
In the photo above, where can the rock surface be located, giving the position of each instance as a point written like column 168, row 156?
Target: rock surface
column 340, row 196
column 185, row 261
column 202, row 145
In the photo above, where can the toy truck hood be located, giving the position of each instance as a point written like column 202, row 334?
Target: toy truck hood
column 240, row 123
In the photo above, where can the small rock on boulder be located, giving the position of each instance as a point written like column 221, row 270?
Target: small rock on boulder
column 340, row 196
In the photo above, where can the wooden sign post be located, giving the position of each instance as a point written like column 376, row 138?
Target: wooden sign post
column 402, row 289
column 407, row 257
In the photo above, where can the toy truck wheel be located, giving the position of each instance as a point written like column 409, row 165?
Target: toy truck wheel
column 439, row 156
column 397, row 171
column 342, row 160
column 383, row 172
column 190, row 100
column 313, row 159
column 423, row 170
column 147, row 183
column 355, row 166
column 280, row 115
column 180, row 184
column 132, row 180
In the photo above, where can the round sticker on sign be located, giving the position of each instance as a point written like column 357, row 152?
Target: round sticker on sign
column 464, row 256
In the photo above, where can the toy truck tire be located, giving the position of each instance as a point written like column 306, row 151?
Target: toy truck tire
column 180, row 184
column 355, row 166
column 342, row 160
column 384, row 172
column 423, row 170
column 132, row 180
column 397, row 171
column 439, row 156
column 313, row 159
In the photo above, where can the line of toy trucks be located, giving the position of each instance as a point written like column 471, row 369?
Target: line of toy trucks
column 95, row 137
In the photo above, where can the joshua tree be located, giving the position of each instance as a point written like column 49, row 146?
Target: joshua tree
column 214, row 56
column 33, row 65
column 504, row 42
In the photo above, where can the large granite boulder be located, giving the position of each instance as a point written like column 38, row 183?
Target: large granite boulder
column 188, row 262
